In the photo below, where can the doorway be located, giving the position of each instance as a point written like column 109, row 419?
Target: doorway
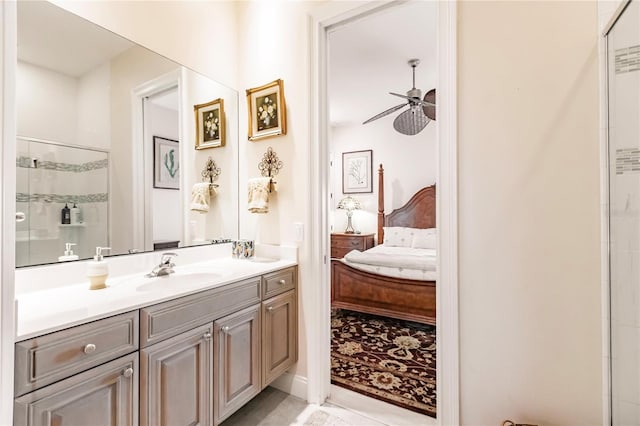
column 324, row 20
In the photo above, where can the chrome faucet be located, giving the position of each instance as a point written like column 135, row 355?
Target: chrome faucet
column 165, row 267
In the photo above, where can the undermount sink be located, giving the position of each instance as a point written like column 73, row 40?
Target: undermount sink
column 178, row 279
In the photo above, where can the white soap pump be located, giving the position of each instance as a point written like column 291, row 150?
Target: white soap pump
column 68, row 253
column 98, row 270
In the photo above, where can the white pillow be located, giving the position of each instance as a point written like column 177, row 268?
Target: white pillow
column 424, row 238
column 398, row 236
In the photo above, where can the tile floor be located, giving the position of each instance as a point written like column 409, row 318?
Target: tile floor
column 275, row 408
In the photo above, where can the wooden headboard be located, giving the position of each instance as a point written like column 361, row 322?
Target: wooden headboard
column 418, row 212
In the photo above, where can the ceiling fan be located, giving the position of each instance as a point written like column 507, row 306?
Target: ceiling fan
column 420, row 112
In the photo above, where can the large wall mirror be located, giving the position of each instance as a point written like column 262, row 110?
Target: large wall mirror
column 107, row 128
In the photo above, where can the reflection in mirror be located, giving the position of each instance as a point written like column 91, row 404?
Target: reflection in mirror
column 107, row 129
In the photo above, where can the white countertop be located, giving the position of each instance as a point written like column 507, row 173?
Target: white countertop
column 48, row 310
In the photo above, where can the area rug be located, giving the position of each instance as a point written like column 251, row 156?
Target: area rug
column 387, row 359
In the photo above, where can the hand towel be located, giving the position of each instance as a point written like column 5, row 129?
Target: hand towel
column 200, row 197
column 259, row 195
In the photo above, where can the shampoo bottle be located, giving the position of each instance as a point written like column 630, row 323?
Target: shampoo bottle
column 75, row 214
column 98, row 270
column 65, row 215
column 68, row 253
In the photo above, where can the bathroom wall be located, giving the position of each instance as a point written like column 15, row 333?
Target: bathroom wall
column 529, row 237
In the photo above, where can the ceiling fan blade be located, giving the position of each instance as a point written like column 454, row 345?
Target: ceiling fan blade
column 411, row 122
column 412, row 99
column 430, row 110
column 387, row 112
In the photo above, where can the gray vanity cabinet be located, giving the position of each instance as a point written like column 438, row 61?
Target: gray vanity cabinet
column 105, row 395
column 236, row 374
column 279, row 336
column 176, row 380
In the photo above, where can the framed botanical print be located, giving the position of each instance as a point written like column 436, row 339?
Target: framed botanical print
column 357, row 172
column 210, row 128
column 267, row 111
column 166, row 163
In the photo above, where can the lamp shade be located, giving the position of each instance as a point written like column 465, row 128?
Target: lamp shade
column 349, row 203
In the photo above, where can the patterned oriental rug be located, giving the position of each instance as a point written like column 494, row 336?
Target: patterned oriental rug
column 387, row 359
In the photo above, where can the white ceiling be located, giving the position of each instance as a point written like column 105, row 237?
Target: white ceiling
column 168, row 99
column 368, row 58
column 81, row 47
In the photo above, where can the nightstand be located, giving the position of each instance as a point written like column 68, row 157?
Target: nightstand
column 342, row 244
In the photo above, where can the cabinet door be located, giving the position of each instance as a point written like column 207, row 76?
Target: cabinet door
column 176, row 382
column 280, row 336
column 105, row 395
column 237, row 361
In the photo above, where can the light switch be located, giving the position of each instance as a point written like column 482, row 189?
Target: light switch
column 298, row 228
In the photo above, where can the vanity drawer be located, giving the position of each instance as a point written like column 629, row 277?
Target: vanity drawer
column 279, row 282
column 159, row 322
column 46, row 359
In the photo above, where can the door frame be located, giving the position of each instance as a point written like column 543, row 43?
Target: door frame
column 8, row 306
column 318, row 297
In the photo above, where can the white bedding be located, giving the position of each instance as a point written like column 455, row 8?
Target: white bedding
column 398, row 262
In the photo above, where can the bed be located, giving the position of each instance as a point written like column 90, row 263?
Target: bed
column 412, row 299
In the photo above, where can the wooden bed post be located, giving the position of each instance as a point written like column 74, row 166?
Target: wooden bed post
column 380, row 204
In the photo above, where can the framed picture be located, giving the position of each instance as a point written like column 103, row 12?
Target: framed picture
column 166, row 163
column 357, row 171
column 267, row 111
column 210, row 129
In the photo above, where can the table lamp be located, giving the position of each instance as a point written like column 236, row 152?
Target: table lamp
column 349, row 204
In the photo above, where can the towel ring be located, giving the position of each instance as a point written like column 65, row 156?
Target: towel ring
column 210, row 173
column 270, row 166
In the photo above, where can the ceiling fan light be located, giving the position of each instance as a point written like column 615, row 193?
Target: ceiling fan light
column 411, row 122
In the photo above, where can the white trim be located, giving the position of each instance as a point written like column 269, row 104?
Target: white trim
column 7, row 251
column 316, row 300
column 142, row 153
column 292, row 384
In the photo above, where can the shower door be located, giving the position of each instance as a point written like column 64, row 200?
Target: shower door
column 623, row 78
column 50, row 175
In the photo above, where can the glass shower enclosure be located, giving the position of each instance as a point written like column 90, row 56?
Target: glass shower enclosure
column 623, row 97
column 49, row 176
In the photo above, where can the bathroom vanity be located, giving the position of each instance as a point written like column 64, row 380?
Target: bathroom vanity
column 191, row 352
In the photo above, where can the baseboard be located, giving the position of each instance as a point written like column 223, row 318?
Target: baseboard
column 292, row 384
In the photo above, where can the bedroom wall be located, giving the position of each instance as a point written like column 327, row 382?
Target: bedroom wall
column 529, row 213
column 409, row 163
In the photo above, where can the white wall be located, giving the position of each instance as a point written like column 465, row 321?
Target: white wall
column 167, row 216
column 39, row 117
column 409, row 163
column 529, row 213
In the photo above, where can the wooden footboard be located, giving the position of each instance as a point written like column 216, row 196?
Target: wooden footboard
column 400, row 298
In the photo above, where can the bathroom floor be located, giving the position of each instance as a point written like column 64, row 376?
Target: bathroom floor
column 275, row 408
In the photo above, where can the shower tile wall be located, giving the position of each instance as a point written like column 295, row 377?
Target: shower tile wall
column 623, row 46
column 59, row 175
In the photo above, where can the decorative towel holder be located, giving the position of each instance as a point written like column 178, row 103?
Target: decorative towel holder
column 270, row 166
column 210, row 173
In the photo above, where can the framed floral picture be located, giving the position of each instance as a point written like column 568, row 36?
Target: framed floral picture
column 210, row 120
column 166, row 163
column 267, row 111
column 357, row 171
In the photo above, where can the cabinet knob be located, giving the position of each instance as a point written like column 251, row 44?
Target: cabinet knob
column 225, row 329
column 89, row 348
column 270, row 309
column 207, row 335
column 282, row 282
column 128, row 372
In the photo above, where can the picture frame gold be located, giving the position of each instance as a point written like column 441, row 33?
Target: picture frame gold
column 267, row 111
column 210, row 124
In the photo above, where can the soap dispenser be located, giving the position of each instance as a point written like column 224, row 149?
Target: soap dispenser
column 65, row 218
column 75, row 214
column 98, row 270
column 68, row 253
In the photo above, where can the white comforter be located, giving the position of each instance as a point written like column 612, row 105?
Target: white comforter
column 399, row 262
